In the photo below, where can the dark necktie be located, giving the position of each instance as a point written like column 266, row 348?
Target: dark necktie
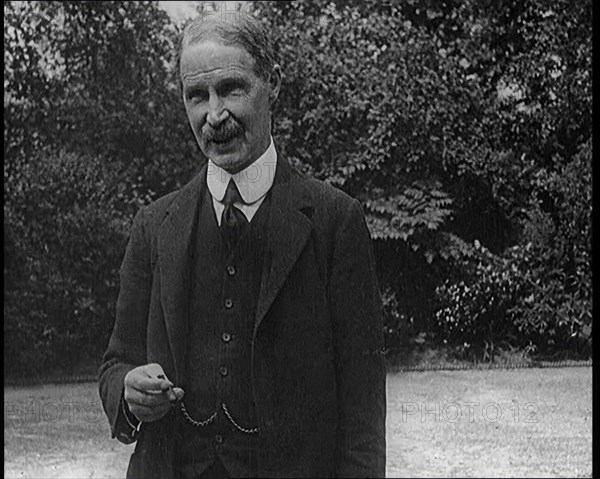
column 233, row 220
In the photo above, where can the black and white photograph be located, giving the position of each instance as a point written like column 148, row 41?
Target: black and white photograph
column 310, row 238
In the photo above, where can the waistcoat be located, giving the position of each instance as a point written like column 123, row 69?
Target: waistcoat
column 218, row 387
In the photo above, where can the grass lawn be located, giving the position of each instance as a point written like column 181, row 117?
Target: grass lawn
column 494, row 423
column 478, row 423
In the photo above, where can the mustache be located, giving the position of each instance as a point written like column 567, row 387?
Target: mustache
column 224, row 132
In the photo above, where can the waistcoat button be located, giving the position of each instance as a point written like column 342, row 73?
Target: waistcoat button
column 229, row 303
column 226, row 337
column 230, row 270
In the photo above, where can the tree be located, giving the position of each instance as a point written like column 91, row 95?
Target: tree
column 93, row 128
column 462, row 126
column 447, row 119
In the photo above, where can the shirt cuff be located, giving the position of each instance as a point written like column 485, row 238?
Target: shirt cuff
column 134, row 423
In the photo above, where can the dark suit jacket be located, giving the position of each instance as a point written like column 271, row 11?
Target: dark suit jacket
column 317, row 367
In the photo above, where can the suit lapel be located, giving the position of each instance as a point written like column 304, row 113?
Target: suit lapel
column 288, row 229
column 175, row 251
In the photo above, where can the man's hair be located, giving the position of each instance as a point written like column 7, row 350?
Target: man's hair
column 241, row 30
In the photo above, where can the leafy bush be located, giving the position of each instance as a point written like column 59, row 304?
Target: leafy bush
column 450, row 121
column 537, row 295
column 555, row 307
column 64, row 239
column 473, row 311
column 445, row 119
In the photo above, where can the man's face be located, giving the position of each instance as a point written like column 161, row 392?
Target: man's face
column 227, row 104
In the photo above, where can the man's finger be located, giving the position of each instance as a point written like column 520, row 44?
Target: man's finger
column 179, row 393
column 135, row 396
column 154, row 370
column 168, row 392
column 151, row 384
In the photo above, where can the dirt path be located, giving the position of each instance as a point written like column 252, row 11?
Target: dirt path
column 519, row 423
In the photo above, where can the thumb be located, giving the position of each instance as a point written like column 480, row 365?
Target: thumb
column 155, row 370
column 179, row 393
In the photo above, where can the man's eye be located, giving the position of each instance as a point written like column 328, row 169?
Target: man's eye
column 197, row 95
column 231, row 89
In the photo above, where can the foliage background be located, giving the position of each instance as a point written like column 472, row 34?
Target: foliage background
column 463, row 127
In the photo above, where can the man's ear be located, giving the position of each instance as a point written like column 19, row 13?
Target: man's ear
column 274, row 83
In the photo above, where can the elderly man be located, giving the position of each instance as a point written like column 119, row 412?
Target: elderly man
column 248, row 335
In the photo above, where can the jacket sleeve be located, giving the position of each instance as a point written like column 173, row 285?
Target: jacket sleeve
column 358, row 345
column 127, row 346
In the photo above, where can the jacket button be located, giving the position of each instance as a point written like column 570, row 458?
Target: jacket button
column 219, row 439
column 223, row 370
column 226, row 337
column 229, row 303
column 230, row 270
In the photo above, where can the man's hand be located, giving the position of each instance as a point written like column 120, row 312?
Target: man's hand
column 148, row 392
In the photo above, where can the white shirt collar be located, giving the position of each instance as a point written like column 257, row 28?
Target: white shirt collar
column 253, row 182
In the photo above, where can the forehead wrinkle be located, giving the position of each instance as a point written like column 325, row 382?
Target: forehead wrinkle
column 200, row 75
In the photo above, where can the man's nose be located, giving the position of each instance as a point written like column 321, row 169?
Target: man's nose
column 217, row 113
